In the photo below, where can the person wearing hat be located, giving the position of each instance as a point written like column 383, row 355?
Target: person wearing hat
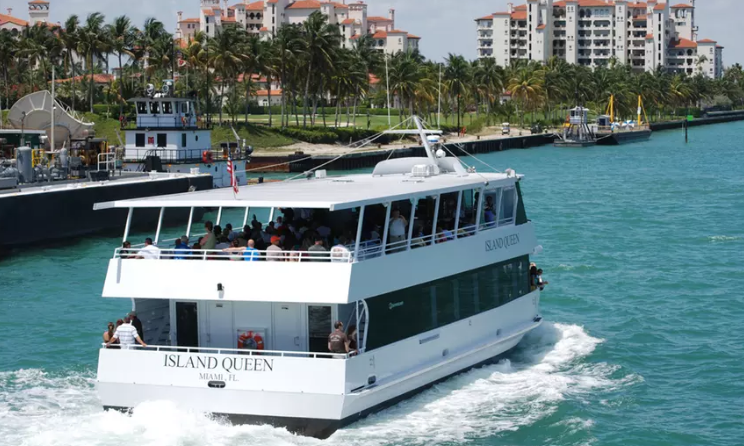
column 136, row 323
column 274, row 253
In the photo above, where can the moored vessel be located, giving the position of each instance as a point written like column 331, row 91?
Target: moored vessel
column 611, row 133
column 425, row 261
column 576, row 130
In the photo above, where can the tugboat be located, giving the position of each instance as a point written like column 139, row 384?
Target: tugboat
column 576, row 131
column 443, row 286
column 611, row 133
column 168, row 135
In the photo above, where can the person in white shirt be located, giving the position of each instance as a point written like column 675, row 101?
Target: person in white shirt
column 126, row 334
column 340, row 253
column 150, row 251
column 397, row 229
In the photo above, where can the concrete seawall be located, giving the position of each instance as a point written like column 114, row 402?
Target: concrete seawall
column 366, row 160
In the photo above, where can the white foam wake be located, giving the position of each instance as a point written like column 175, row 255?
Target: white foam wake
column 37, row 408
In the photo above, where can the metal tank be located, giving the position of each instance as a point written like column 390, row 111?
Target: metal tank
column 24, row 163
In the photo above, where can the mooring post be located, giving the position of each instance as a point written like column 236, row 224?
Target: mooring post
column 685, row 126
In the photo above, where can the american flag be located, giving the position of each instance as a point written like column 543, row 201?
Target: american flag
column 231, row 172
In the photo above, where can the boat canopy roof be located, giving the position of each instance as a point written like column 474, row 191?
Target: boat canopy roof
column 333, row 193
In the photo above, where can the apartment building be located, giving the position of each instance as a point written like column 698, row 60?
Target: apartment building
column 644, row 35
column 265, row 17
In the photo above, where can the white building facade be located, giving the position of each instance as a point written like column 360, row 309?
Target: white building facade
column 38, row 12
column 644, row 35
column 264, row 18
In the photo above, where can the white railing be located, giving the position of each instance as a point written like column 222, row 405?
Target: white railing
column 230, row 351
column 340, row 256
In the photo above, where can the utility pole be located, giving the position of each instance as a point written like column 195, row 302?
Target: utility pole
column 439, row 100
column 387, row 81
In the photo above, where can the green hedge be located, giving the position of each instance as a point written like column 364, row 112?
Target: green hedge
column 311, row 136
column 331, row 135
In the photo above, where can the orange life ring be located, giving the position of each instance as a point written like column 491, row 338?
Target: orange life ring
column 207, row 156
column 250, row 341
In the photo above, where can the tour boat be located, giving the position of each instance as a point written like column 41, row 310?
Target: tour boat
column 169, row 135
column 248, row 340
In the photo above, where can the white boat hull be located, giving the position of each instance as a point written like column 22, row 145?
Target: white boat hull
column 313, row 396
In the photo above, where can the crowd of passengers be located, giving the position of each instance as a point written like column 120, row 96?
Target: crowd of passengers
column 307, row 235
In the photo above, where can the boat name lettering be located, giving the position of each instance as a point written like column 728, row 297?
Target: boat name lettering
column 502, row 242
column 392, row 305
column 228, row 363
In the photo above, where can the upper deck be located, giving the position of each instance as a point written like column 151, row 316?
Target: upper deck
column 453, row 223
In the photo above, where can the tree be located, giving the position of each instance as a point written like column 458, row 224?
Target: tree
column 226, row 57
column 526, row 87
column 321, row 40
column 69, row 37
column 457, row 76
column 289, row 47
column 91, row 42
column 121, row 38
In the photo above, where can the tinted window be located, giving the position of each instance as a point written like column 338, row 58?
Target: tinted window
column 162, row 139
column 183, row 140
column 139, row 140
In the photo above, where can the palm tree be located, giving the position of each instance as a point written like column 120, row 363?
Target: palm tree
column 457, row 76
column 288, row 46
column 226, row 57
column 488, row 78
column 92, row 40
column 70, row 38
column 120, row 35
column 526, row 87
column 321, row 42
column 8, row 48
column 256, row 54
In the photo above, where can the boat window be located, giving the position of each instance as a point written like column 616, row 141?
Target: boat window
column 490, row 208
column 183, row 140
column 141, row 108
column 406, row 313
column 162, row 139
column 508, row 206
column 319, row 325
column 423, row 214
column 446, row 217
column 154, row 107
column 167, row 108
column 468, row 209
column 400, row 214
column 139, row 140
column 184, row 107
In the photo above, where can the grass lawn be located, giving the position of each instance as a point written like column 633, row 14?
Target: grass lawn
column 375, row 121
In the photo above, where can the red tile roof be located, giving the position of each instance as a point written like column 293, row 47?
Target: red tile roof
column 706, row 41
column 348, row 22
column 264, row 28
column 208, row 12
column 380, row 35
column 638, row 5
column 228, row 20
column 591, row 3
column 540, row 27
column 649, row 36
column 10, row 19
column 378, row 19
column 276, row 92
column 519, row 15
column 97, row 78
column 660, row 7
column 488, row 17
column 682, row 6
column 191, row 20
column 305, row 4
column 411, row 36
column 38, row 2
column 682, row 43
column 255, row 6
column 640, row 18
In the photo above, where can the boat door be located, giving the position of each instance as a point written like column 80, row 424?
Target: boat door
column 185, row 331
column 220, row 332
column 288, row 328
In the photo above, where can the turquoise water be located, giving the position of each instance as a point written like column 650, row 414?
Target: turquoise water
column 642, row 344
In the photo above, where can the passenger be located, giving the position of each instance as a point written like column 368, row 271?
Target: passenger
column 317, row 251
column 271, row 228
column 217, row 233
column 127, row 335
column 150, row 251
column 137, row 323
column 274, row 253
column 397, row 230
column 539, row 280
column 209, row 240
column 295, row 254
column 224, row 243
column 231, row 235
column 351, row 334
column 337, row 341
column 126, row 252
column 195, row 255
column 235, row 248
column 251, row 254
column 533, row 277
column 181, row 248
column 324, row 231
column 108, row 335
column 443, row 235
column 488, row 212
column 340, row 253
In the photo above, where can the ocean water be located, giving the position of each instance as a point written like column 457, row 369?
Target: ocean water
column 642, row 343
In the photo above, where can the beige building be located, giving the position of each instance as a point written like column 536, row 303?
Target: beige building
column 38, row 12
column 265, row 17
column 644, row 35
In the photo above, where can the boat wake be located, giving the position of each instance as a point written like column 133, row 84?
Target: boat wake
column 39, row 408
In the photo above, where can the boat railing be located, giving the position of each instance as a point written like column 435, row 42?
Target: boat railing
column 236, row 254
column 185, row 155
column 230, row 351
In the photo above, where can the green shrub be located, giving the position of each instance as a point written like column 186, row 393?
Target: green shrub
column 311, row 136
